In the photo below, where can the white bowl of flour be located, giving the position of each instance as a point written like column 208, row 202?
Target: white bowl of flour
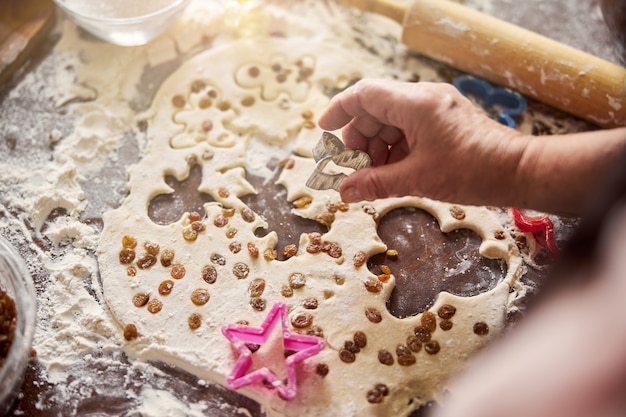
column 123, row 22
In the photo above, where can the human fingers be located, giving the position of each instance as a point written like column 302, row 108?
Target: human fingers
column 380, row 182
column 368, row 97
column 378, row 146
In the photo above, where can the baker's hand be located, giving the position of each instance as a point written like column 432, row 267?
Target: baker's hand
column 425, row 139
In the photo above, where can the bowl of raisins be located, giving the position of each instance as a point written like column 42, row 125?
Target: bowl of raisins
column 18, row 312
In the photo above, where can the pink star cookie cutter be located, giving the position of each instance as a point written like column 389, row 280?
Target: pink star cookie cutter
column 242, row 336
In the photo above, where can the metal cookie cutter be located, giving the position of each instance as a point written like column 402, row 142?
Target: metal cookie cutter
column 511, row 103
column 331, row 148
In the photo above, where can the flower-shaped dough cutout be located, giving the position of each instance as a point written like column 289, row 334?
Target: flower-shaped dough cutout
column 203, row 112
column 279, row 75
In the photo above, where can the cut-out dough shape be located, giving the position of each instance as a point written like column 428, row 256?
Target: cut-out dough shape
column 172, row 287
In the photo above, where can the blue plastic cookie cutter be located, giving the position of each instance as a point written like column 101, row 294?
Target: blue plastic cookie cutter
column 512, row 103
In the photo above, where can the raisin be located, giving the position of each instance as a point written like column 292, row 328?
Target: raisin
column 327, row 218
column 194, row 321
column 190, row 235
column 166, row 287
column 392, row 253
column 154, row 306
column 231, row 232
column 297, row 280
column 322, row 369
column 481, row 328
column 382, row 388
column 178, row 271
column 315, row 331
column 446, row 311
column 130, row 332
column 223, row 192
column 384, row 278
column 256, row 287
column 290, row 251
column 198, row 226
column 413, row 343
column 346, row 356
column 429, row 321
column 197, row 86
column 310, row 303
column 422, row 334
column 253, row 250
column 351, row 346
column 131, row 271
column 445, row 324
column 241, row 270
column 499, row 234
column 234, row 247
column 129, row 242
column 374, row 396
column 209, row 274
column 220, row 221
column 373, row 285
column 314, row 248
column 178, row 101
column 127, row 255
column 146, row 261
column 258, row 304
column 373, row 315
column 286, row 291
column 141, row 299
column 270, row 254
column 218, row 259
column 167, row 257
column 359, row 259
column 457, row 212
column 360, row 339
column 402, row 350
column 315, row 237
column 254, row 71
column 385, row 357
column 406, row 360
column 302, row 202
column 302, row 320
column 247, row 215
column 335, row 251
column 152, row 248
column 194, row 216
column 200, row 296
column 432, row 347
column 206, row 125
column 247, row 101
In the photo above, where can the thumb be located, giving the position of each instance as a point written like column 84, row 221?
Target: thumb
column 372, row 183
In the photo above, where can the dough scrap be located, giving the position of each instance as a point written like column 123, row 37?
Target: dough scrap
column 214, row 262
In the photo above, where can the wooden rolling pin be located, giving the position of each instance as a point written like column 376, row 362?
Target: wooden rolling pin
column 508, row 55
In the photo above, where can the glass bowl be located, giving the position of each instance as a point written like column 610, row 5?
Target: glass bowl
column 124, row 22
column 16, row 282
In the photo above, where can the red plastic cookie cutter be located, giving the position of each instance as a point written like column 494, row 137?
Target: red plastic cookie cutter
column 541, row 228
column 242, row 337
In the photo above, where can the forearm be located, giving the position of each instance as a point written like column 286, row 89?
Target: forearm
column 558, row 174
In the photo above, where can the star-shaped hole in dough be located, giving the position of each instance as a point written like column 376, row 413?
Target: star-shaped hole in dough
column 300, row 347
